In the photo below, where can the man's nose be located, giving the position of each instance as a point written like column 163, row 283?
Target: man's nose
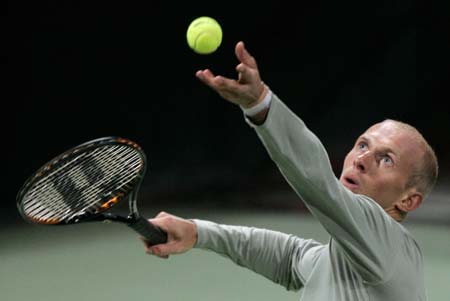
column 362, row 162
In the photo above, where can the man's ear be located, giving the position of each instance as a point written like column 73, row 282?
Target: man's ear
column 411, row 201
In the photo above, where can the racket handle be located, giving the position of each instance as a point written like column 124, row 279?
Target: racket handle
column 149, row 231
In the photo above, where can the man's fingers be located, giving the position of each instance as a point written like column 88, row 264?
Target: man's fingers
column 162, row 214
column 246, row 74
column 222, row 83
column 219, row 83
column 160, row 222
column 150, row 251
column 244, row 56
column 205, row 76
column 182, row 235
column 163, row 250
column 215, row 82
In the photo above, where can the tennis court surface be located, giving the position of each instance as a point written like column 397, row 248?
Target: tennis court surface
column 106, row 262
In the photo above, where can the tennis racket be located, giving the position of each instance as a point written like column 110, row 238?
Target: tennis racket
column 81, row 184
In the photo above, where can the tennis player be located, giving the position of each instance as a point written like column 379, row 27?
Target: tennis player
column 370, row 255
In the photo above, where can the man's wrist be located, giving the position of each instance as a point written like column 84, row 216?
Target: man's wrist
column 261, row 106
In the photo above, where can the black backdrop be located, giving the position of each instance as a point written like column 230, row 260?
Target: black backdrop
column 78, row 71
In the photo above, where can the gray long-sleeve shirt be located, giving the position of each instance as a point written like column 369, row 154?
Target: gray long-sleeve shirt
column 369, row 256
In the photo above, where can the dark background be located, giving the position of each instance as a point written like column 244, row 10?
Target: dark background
column 82, row 70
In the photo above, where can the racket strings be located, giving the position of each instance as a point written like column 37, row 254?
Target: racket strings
column 83, row 204
column 106, row 169
column 44, row 192
column 82, row 207
column 123, row 184
column 57, row 173
column 79, row 177
column 69, row 195
column 49, row 202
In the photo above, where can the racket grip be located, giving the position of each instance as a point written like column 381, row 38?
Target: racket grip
column 149, row 231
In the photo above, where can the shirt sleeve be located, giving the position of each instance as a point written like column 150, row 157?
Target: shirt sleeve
column 282, row 258
column 359, row 227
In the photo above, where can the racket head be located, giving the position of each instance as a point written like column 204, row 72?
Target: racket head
column 83, row 182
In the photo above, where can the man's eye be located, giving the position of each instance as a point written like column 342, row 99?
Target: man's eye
column 387, row 160
column 362, row 145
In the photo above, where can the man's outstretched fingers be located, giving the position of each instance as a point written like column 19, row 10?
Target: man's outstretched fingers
column 205, row 75
column 245, row 73
column 244, row 56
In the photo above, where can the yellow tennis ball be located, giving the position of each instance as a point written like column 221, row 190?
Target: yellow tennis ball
column 204, row 35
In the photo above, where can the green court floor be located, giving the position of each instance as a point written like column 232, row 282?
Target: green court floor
column 106, row 262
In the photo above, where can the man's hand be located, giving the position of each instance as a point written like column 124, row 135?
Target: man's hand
column 248, row 90
column 181, row 235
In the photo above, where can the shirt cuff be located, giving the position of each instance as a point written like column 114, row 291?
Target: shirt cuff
column 202, row 232
column 265, row 103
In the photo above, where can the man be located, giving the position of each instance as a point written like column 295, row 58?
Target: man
column 370, row 255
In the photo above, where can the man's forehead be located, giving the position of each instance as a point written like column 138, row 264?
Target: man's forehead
column 393, row 136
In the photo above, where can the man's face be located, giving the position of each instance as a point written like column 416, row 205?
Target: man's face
column 380, row 163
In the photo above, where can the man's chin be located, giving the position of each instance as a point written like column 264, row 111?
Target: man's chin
column 353, row 188
column 358, row 190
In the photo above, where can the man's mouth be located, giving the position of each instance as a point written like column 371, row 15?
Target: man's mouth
column 350, row 182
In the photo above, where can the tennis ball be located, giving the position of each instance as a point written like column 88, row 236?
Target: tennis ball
column 204, row 35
